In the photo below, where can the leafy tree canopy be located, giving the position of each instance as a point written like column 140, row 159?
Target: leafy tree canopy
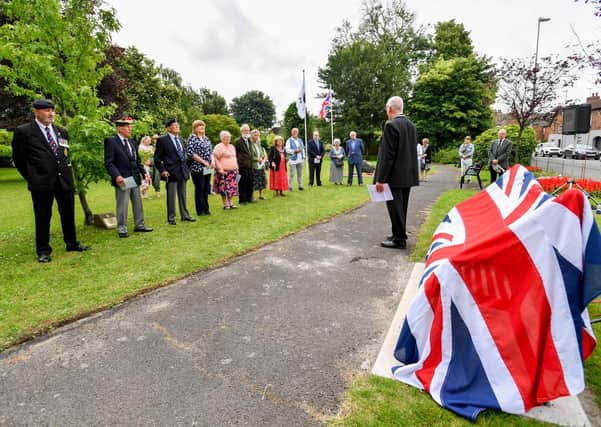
column 254, row 108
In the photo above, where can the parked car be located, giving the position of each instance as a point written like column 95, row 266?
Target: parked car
column 548, row 149
column 579, row 151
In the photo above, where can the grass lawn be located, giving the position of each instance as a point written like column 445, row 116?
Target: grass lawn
column 36, row 297
column 376, row 401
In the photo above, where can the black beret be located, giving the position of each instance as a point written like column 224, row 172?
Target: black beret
column 169, row 122
column 41, row 104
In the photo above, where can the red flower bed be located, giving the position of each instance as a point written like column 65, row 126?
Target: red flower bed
column 534, row 169
column 552, row 183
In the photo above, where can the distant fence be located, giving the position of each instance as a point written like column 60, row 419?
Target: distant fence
column 577, row 169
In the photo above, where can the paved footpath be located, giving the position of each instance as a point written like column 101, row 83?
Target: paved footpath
column 272, row 338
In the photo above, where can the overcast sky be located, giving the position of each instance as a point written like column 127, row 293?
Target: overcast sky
column 233, row 46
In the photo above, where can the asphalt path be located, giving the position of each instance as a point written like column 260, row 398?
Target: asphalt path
column 272, row 338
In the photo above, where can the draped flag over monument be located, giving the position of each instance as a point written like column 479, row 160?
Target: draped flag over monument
column 500, row 318
column 326, row 105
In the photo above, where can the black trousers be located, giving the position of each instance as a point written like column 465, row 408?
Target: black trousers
column 202, row 188
column 42, row 209
column 245, row 185
column 314, row 169
column 493, row 174
column 397, row 210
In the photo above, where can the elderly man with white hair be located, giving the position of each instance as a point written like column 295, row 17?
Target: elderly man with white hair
column 244, row 155
column 398, row 167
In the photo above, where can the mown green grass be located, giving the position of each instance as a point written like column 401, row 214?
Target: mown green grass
column 35, row 297
column 376, row 401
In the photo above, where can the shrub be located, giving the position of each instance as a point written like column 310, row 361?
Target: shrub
column 6, row 154
column 215, row 123
column 6, row 137
column 447, row 156
column 521, row 149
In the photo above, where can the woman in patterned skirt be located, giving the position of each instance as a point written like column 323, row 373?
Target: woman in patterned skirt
column 226, row 170
column 278, row 177
column 258, row 161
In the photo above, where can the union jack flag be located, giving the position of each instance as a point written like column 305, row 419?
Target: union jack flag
column 500, row 318
column 326, row 104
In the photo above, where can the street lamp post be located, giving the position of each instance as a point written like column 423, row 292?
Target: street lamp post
column 540, row 19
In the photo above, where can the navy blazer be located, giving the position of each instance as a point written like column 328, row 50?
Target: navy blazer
column 314, row 150
column 356, row 155
column 167, row 159
column 35, row 161
column 118, row 162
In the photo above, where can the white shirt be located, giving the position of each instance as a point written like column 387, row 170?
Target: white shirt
column 43, row 129
column 290, row 150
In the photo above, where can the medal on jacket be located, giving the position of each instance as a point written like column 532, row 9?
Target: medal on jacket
column 65, row 145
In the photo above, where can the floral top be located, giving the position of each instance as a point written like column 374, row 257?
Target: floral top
column 146, row 153
column 201, row 147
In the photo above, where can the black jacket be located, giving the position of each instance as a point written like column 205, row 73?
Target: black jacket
column 244, row 154
column 36, row 162
column 314, row 151
column 397, row 156
column 118, row 162
column 167, row 159
column 274, row 157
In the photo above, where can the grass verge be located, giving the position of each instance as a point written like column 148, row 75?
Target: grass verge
column 35, row 298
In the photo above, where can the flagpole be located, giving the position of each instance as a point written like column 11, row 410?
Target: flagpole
column 306, row 142
column 331, row 115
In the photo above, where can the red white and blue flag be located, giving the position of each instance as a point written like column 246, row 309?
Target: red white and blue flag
column 326, row 104
column 500, row 318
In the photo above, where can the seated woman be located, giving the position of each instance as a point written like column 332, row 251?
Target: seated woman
column 337, row 165
column 226, row 170
column 278, row 177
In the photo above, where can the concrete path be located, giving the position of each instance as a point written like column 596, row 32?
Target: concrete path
column 271, row 338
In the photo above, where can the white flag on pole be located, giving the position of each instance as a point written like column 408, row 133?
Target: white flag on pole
column 301, row 104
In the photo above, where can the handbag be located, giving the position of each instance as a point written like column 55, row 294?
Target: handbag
column 338, row 162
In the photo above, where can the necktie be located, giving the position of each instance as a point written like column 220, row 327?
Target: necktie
column 51, row 142
column 127, row 147
column 180, row 150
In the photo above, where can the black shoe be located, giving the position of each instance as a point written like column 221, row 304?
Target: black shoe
column 233, row 207
column 319, row 185
column 123, row 235
column 171, row 222
column 44, row 258
column 78, row 248
column 300, row 188
column 242, row 203
column 189, row 219
column 394, row 244
column 143, row 230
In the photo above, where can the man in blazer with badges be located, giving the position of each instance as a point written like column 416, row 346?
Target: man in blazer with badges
column 171, row 159
column 498, row 155
column 397, row 166
column 316, row 153
column 354, row 151
column 41, row 155
column 123, row 165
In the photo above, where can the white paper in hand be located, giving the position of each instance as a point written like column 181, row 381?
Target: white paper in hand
column 128, row 183
column 379, row 197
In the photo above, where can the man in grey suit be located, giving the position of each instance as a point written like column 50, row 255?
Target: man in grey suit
column 397, row 166
column 498, row 155
column 123, row 165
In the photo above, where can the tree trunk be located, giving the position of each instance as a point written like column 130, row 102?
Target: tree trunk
column 89, row 217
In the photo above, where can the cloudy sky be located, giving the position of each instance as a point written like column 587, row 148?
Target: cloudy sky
column 233, row 46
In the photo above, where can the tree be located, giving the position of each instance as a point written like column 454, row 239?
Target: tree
column 454, row 91
column 212, row 102
column 450, row 101
column 53, row 49
column 367, row 66
column 215, row 123
column 590, row 56
column 255, row 108
column 517, row 78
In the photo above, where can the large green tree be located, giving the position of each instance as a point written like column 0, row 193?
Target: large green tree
column 455, row 89
column 52, row 48
column 255, row 108
column 212, row 102
column 368, row 65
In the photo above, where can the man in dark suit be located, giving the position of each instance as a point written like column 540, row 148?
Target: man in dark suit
column 123, row 165
column 245, row 166
column 498, row 155
column 397, row 166
column 41, row 154
column 316, row 153
column 354, row 151
column 170, row 157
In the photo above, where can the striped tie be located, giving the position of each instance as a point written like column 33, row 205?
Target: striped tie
column 51, row 142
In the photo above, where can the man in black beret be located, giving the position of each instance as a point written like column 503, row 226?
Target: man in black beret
column 171, row 159
column 41, row 155
column 123, row 165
